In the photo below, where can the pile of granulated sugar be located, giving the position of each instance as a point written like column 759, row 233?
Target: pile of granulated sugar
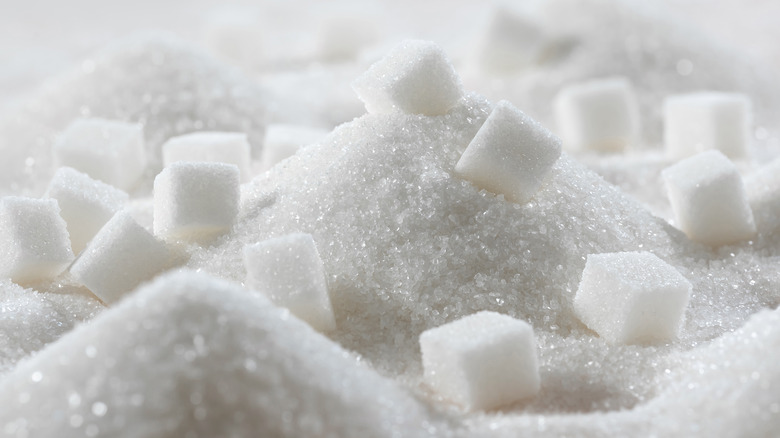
column 407, row 244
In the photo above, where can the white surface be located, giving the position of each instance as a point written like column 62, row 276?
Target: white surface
column 600, row 115
column 632, row 297
column 511, row 154
column 34, row 243
column 195, row 200
column 700, row 121
column 709, row 200
column 120, row 257
column 415, row 77
column 289, row 270
column 86, row 204
column 108, row 150
column 482, row 361
column 282, row 141
column 212, row 147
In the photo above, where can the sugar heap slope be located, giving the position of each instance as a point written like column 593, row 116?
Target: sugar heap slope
column 189, row 355
column 155, row 79
column 408, row 246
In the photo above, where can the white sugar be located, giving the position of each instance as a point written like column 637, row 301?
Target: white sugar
column 85, row 204
column 212, row 147
column 282, row 141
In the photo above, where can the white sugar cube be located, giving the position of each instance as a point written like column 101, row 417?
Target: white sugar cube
column 709, row 201
column 707, row 120
column 483, row 361
column 196, row 200
column 511, row 41
column 121, row 256
column 107, row 150
column 85, row 204
column 763, row 191
column 632, row 297
column 415, row 77
column 210, row 146
column 283, row 141
column 289, row 271
column 599, row 115
column 34, row 242
column 510, row 155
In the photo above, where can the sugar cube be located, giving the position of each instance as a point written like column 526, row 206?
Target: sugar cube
column 210, row 146
column 415, row 77
column 708, row 198
column 600, row 115
column 763, row 191
column 85, row 204
column 483, row 361
column 107, row 150
column 290, row 272
column 511, row 41
column 196, row 200
column 510, row 155
column 121, row 256
column 34, row 242
column 632, row 297
column 283, row 141
column 707, row 120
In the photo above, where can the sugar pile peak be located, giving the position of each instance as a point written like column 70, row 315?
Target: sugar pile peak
column 210, row 146
column 415, row 77
column 122, row 255
column 34, row 243
column 194, row 200
column 709, row 200
column 86, row 204
column 699, row 121
column 632, row 297
column 511, row 154
column 482, row 361
column 599, row 115
column 290, row 271
column 108, row 150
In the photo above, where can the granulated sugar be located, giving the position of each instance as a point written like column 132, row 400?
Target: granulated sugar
column 407, row 244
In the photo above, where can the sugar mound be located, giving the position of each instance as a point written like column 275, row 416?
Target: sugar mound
column 189, row 355
column 283, row 140
column 156, row 80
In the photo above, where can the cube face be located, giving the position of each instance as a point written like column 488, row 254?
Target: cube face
column 697, row 122
column 483, row 361
column 709, row 200
column 120, row 257
column 107, row 150
column 196, row 200
column 510, row 155
column 763, row 191
column 85, row 204
column 631, row 297
column 600, row 115
column 283, row 141
column 211, row 147
column 290, row 272
column 415, row 77
column 34, row 243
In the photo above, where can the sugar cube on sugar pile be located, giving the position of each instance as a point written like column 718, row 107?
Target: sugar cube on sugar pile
column 195, row 200
column 510, row 155
column 709, row 200
column 599, row 115
column 305, row 219
column 34, row 239
column 289, row 270
column 632, row 297
column 86, row 204
column 482, row 361
column 700, row 121
column 210, row 146
column 107, row 150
